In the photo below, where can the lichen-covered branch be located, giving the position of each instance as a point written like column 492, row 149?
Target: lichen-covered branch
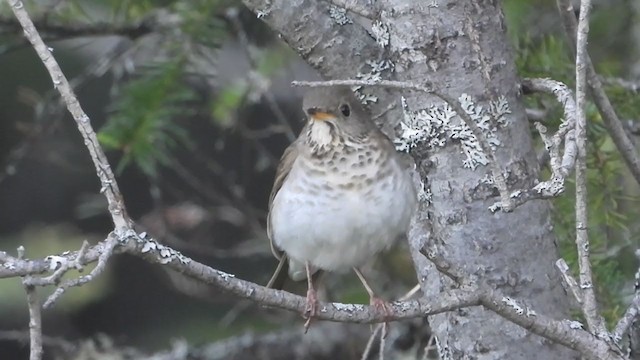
column 562, row 332
column 561, row 158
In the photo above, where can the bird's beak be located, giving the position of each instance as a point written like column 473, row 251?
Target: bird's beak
column 319, row 115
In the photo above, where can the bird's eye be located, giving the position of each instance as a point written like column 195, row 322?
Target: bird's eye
column 345, row 110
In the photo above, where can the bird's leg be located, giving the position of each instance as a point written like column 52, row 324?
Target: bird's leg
column 380, row 304
column 312, row 299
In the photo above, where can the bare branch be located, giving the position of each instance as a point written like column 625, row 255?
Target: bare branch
column 111, row 243
column 109, row 185
column 572, row 284
column 562, row 332
column 625, row 321
column 589, row 303
column 403, row 85
column 35, row 315
column 609, row 116
column 35, row 323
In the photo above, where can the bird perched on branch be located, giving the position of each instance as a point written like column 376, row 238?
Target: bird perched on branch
column 341, row 194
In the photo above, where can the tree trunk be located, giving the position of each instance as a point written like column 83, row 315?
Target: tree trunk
column 461, row 48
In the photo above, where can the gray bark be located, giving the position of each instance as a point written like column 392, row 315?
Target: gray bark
column 461, row 48
column 514, row 252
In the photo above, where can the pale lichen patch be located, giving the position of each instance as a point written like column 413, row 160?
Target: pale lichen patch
column 376, row 68
column 339, row 15
column 427, row 126
column 163, row 253
column 380, row 32
column 488, row 121
column 513, row 304
column 575, row 325
column 424, row 193
column 435, row 125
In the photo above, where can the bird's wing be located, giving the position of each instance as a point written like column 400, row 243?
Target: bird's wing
column 284, row 168
column 282, row 172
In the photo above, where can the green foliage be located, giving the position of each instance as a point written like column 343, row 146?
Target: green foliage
column 547, row 56
column 227, row 102
column 144, row 123
column 609, row 221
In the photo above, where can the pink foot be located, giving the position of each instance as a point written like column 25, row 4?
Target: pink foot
column 310, row 309
column 383, row 307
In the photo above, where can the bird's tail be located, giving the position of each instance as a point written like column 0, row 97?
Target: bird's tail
column 280, row 275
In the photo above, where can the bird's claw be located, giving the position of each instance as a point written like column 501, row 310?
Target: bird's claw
column 310, row 309
column 383, row 307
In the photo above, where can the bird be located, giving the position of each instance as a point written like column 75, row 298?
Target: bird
column 341, row 195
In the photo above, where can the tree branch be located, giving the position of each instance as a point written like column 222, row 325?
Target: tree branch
column 589, row 303
column 562, row 332
column 35, row 315
column 609, row 116
column 109, row 185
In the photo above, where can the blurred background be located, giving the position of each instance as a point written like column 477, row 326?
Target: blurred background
column 192, row 103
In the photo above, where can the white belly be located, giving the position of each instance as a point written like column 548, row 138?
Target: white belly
column 337, row 229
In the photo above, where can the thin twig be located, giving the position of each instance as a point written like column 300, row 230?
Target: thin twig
column 572, row 284
column 371, row 341
column 626, row 320
column 394, row 84
column 111, row 243
column 589, row 303
column 380, row 327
